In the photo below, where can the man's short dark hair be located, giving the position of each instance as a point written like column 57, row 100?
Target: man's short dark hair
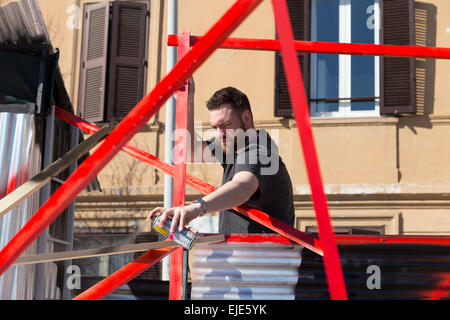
column 236, row 98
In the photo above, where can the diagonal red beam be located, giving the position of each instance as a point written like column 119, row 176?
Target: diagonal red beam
column 333, row 268
column 329, row 47
column 179, row 178
column 124, row 131
column 276, row 225
column 124, row 275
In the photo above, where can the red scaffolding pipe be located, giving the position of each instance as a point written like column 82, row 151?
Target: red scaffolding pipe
column 179, row 178
column 329, row 47
column 333, row 268
column 125, row 130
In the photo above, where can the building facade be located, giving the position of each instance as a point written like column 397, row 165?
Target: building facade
column 381, row 126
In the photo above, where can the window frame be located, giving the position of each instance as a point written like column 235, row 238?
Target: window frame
column 345, row 67
column 397, row 93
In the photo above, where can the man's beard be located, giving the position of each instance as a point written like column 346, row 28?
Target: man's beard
column 233, row 143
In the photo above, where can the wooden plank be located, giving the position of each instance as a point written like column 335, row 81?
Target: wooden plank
column 96, row 252
column 13, row 199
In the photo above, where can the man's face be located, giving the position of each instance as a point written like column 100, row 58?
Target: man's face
column 225, row 122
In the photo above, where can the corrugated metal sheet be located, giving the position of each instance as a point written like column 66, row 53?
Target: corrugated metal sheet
column 20, row 22
column 406, row 272
column 245, row 271
column 19, row 160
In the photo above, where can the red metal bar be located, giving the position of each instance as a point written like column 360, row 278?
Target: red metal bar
column 333, row 268
column 258, row 238
column 181, row 121
column 126, row 129
column 179, row 178
column 281, row 228
column 329, row 47
column 124, row 275
column 289, row 232
column 176, row 275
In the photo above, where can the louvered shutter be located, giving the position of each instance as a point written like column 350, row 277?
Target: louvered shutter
column 127, row 65
column 299, row 12
column 397, row 75
column 91, row 99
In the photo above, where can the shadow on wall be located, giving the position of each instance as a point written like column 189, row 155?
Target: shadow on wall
column 425, row 31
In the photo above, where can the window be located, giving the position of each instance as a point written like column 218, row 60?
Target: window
column 113, row 59
column 352, row 85
column 337, row 78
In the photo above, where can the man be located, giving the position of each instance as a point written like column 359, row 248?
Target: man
column 254, row 174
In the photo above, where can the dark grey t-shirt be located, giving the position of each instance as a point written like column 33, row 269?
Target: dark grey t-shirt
column 274, row 195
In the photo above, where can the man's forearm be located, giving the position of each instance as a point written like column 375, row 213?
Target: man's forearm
column 230, row 195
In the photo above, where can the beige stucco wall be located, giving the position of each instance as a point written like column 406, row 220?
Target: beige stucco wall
column 377, row 171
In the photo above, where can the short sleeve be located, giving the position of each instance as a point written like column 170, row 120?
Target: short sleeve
column 250, row 160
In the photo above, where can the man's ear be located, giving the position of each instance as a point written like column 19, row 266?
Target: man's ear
column 247, row 117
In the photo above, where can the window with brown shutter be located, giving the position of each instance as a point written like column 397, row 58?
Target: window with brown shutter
column 396, row 83
column 127, row 59
column 397, row 87
column 94, row 50
column 299, row 14
column 111, row 86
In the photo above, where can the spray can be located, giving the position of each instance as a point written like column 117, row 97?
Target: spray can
column 185, row 238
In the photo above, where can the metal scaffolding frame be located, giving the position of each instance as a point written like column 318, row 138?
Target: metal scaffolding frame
column 216, row 37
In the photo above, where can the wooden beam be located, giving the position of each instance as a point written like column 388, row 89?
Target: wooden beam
column 96, row 252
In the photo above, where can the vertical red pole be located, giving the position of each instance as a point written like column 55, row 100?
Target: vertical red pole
column 297, row 94
column 177, row 261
